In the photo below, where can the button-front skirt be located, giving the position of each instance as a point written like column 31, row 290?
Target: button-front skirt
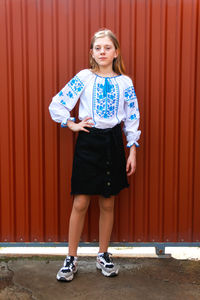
column 99, row 166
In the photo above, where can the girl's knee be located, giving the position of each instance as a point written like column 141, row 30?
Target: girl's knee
column 106, row 205
column 81, row 203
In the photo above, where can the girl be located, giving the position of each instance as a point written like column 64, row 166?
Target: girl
column 107, row 97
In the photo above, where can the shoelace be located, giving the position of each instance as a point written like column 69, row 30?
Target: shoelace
column 68, row 265
column 69, row 262
column 107, row 257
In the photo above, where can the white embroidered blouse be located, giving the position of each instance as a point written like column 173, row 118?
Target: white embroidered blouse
column 107, row 100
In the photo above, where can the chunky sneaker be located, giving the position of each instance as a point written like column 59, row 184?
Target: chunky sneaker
column 66, row 273
column 105, row 264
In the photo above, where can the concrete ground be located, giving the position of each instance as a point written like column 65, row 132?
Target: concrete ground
column 139, row 278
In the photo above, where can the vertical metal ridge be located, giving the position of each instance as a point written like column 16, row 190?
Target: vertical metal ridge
column 104, row 12
column 55, row 52
column 130, row 37
column 144, row 228
column 179, row 21
column 164, row 124
column 11, row 122
column 41, row 35
column 84, row 34
column 73, row 33
column 120, row 19
column 101, row 14
column 163, row 47
column 147, row 215
column 197, row 169
column 3, row 83
column 55, row 71
column 185, row 123
column 176, row 118
column 89, row 26
column 11, row 217
column 191, row 127
column 40, row 84
column 135, row 39
column 115, row 10
column 1, row 193
column 195, row 235
column 1, row 201
column 28, row 124
column 25, row 115
column 163, row 156
column 193, row 115
column 146, row 125
column 4, row 160
column 159, row 200
column 131, row 194
column 189, row 158
column 149, row 238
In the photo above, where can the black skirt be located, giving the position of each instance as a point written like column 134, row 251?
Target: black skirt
column 99, row 166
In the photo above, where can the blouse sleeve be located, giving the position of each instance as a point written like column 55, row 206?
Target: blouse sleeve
column 131, row 123
column 66, row 99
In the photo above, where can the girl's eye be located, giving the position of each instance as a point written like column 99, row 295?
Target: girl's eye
column 107, row 48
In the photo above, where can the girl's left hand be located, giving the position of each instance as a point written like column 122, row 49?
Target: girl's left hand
column 131, row 165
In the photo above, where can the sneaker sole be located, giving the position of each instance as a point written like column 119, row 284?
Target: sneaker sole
column 66, row 279
column 112, row 274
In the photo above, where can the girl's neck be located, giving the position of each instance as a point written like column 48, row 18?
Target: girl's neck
column 106, row 71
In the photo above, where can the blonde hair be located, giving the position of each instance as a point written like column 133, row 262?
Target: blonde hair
column 118, row 65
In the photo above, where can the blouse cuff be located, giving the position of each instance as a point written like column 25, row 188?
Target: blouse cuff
column 132, row 143
column 64, row 123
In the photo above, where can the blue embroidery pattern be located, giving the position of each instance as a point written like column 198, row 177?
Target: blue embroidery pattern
column 70, row 95
column 129, row 93
column 131, row 105
column 63, row 102
column 105, row 98
column 133, row 117
column 74, row 87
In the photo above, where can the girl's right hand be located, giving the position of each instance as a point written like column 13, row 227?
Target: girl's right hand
column 81, row 125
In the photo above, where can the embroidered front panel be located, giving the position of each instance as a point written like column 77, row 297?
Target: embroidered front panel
column 129, row 93
column 106, row 98
column 72, row 89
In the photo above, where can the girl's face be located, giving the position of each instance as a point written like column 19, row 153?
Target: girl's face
column 104, row 52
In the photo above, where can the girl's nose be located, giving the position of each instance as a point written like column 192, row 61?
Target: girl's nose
column 102, row 50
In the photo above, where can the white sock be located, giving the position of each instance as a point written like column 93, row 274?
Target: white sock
column 75, row 257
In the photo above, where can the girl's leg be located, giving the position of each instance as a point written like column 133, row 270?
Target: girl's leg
column 106, row 206
column 79, row 209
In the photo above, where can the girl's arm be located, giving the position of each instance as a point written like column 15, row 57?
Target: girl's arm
column 80, row 126
column 62, row 103
column 131, row 161
column 131, row 125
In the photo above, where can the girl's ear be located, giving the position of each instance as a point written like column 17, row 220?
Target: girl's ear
column 117, row 53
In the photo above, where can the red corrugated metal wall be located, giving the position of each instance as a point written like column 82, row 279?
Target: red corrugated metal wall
column 43, row 44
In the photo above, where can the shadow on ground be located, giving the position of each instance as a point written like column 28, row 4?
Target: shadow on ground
column 139, row 278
